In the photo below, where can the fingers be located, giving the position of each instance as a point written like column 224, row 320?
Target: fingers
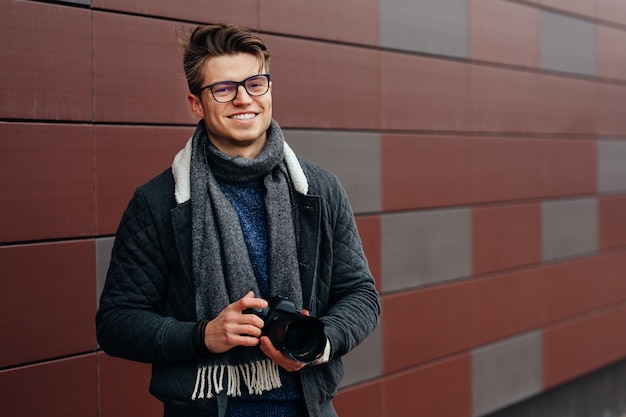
column 230, row 329
column 233, row 328
column 277, row 356
column 249, row 301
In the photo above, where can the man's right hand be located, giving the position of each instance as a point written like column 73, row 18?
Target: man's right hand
column 233, row 328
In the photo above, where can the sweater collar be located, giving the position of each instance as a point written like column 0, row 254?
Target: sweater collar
column 243, row 169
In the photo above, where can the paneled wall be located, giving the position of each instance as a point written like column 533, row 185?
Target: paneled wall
column 482, row 144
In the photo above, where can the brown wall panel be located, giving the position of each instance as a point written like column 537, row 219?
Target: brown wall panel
column 425, row 171
column 441, row 389
column 613, row 277
column 611, row 10
column 505, row 32
column 614, row 340
column 127, row 157
column 360, row 401
column 124, row 388
column 515, row 101
column 612, row 212
column 441, row 325
column 581, row 346
column 419, row 93
column 505, row 237
column 353, row 21
column 48, row 301
column 565, row 105
column 503, row 100
column 138, row 73
column 47, row 181
column 570, row 350
column 611, row 52
column 611, row 102
column 46, row 61
column 570, row 288
column 63, row 388
column 569, row 167
column 324, row 85
column 505, row 305
column 505, row 169
column 241, row 12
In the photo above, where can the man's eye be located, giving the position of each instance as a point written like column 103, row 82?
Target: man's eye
column 223, row 89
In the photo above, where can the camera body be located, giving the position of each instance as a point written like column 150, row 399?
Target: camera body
column 297, row 336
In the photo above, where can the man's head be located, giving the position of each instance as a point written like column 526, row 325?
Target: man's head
column 210, row 41
column 236, row 115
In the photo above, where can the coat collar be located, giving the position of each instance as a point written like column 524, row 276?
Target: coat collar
column 181, row 168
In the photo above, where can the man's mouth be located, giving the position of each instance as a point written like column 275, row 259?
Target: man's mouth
column 243, row 116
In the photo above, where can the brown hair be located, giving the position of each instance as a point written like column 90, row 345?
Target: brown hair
column 214, row 40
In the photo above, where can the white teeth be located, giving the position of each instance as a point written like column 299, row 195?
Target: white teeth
column 246, row 116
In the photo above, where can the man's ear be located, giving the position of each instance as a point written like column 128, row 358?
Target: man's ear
column 196, row 105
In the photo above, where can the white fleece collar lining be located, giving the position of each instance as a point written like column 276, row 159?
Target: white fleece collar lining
column 181, row 168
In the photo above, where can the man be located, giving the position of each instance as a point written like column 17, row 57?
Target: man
column 237, row 219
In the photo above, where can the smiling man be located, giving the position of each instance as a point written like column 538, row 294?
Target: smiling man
column 237, row 225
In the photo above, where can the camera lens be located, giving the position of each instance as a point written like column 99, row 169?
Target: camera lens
column 302, row 339
column 296, row 336
column 299, row 338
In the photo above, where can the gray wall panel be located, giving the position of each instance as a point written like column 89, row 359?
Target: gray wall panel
column 506, row 372
column 353, row 157
column 611, row 165
column 569, row 227
column 104, row 246
column 425, row 247
column 568, row 44
column 103, row 257
column 433, row 26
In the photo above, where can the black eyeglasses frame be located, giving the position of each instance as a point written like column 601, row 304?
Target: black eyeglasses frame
column 237, row 84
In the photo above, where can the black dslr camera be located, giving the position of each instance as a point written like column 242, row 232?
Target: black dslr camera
column 297, row 336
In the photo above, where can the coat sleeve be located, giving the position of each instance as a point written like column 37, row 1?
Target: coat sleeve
column 353, row 303
column 131, row 322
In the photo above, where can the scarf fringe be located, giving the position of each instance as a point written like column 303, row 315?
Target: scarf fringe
column 258, row 377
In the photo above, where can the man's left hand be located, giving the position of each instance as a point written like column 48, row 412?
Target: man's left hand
column 277, row 356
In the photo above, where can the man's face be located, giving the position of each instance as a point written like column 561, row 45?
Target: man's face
column 238, row 127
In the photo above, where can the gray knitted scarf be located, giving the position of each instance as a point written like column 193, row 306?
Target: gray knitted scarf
column 222, row 268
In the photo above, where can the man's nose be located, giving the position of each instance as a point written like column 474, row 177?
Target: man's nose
column 242, row 95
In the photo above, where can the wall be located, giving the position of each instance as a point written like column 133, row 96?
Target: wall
column 482, row 144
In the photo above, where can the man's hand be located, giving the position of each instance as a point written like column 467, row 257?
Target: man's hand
column 233, row 328
column 277, row 356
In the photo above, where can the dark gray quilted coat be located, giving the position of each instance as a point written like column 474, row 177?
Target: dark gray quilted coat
column 147, row 310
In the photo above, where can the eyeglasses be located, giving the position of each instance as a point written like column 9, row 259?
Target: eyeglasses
column 225, row 91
